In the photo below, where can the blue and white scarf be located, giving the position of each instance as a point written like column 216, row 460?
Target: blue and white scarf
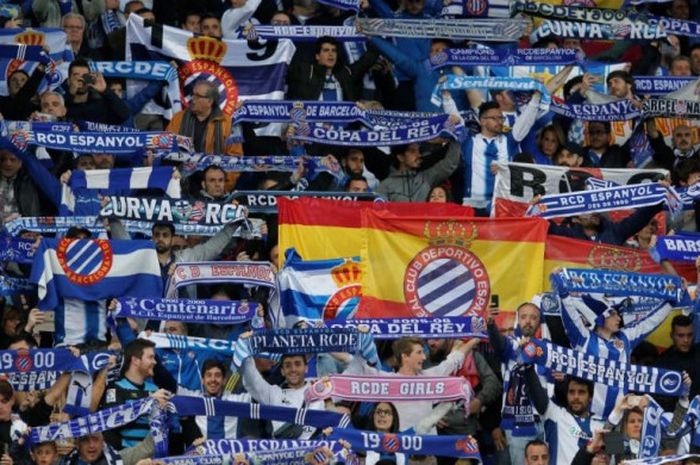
column 618, row 283
column 176, row 341
column 209, row 406
column 54, row 224
column 192, row 162
column 682, row 247
column 297, row 456
column 115, row 143
column 236, row 446
column 91, row 126
column 420, row 131
column 283, row 111
column 266, row 201
column 663, row 459
column 454, row 82
column 636, row 378
column 228, row 312
column 172, row 211
column 252, row 273
column 671, row 108
column 392, row 328
column 352, row 5
column 593, row 31
column 660, row 85
column 490, row 30
column 13, row 249
column 613, row 111
column 411, row 444
column 144, row 70
column 97, row 422
column 650, row 442
column 121, row 179
column 15, row 286
column 600, row 200
column 306, row 341
column 304, row 33
column 690, row 424
column 496, row 57
column 24, row 53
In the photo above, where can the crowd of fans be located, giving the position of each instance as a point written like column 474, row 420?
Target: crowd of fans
column 570, row 413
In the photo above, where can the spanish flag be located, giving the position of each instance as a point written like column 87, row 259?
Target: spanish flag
column 426, row 266
column 322, row 229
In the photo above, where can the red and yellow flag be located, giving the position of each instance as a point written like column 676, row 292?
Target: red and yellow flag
column 424, row 266
column 324, row 229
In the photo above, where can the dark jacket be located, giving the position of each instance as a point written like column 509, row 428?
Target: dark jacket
column 664, row 155
column 305, row 80
column 613, row 157
column 19, row 107
column 610, row 232
column 105, row 108
column 27, row 195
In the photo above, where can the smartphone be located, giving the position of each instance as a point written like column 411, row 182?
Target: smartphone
column 614, row 442
column 88, row 79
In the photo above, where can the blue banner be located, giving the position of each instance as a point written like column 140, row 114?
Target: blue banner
column 453, row 82
column 190, row 311
column 682, row 247
column 506, row 57
column 660, row 85
column 393, row 328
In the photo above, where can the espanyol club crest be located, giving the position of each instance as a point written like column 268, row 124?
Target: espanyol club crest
column 391, row 443
column 85, row 261
column 206, row 54
column 475, row 7
column 343, row 303
column 23, row 362
column 445, row 278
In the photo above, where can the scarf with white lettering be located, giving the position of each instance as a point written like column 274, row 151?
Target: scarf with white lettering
column 282, row 111
column 252, row 273
column 54, row 224
column 410, row 444
column 419, row 131
column 454, row 82
column 304, row 33
column 236, row 446
column 390, row 388
column 228, row 312
column 352, row 5
column 310, row 455
column 491, row 30
column 671, row 108
column 192, row 162
column 593, row 31
column 307, row 341
column 618, row 283
column 14, row 286
column 97, row 422
column 496, row 57
column 176, row 341
column 114, row 143
column 614, row 111
column 144, row 70
column 181, row 211
column 599, row 200
column 210, row 406
column 636, row 378
column 681, row 247
column 690, row 424
column 650, row 442
column 14, row 249
column 660, row 85
column 392, row 328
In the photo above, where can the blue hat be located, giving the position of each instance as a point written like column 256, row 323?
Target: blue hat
column 600, row 308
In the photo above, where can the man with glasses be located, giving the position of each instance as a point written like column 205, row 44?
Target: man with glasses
column 600, row 153
column 207, row 126
column 490, row 146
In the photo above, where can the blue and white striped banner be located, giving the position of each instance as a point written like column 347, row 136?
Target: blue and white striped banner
column 121, row 179
column 635, row 378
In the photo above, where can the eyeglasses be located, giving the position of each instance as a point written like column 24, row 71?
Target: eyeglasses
column 495, row 118
column 384, row 413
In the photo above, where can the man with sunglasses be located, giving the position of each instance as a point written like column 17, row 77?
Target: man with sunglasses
column 492, row 145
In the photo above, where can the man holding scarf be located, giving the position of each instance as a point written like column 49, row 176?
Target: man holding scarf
column 604, row 336
column 519, row 419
